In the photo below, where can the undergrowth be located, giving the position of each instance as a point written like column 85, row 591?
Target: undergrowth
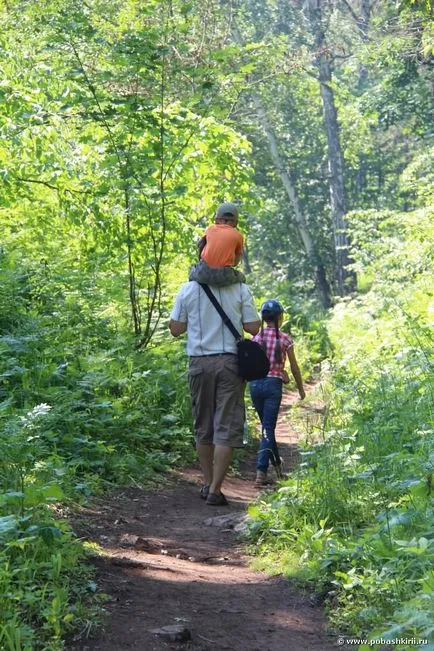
column 80, row 411
column 357, row 517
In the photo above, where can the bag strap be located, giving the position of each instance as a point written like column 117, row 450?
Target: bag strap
column 220, row 310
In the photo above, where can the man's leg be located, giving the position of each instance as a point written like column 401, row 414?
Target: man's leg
column 222, row 461
column 201, row 381
column 229, row 416
column 206, row 459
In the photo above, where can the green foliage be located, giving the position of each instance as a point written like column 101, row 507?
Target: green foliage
column 111, row 165
column 123, row 124
column 78, row 409
column 105, row 156
column 44, row 591
column 358, row 515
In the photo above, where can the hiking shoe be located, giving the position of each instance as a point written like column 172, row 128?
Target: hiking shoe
column 214, row 499
column 204, row 491
column 261, row 479
column 278, row 468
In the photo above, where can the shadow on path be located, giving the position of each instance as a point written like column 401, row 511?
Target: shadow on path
column 165, row 564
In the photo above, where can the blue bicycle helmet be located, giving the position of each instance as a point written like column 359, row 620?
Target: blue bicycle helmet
column 271, row 308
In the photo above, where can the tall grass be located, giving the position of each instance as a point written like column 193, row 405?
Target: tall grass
column 80, row 410
column 358, row 515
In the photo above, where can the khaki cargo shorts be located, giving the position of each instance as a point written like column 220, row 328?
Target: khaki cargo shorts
column 217, row 397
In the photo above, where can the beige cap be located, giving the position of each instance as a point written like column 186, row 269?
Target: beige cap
column 227, row 210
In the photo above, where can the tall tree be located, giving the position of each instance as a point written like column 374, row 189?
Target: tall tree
column 362, row 17
column 323, row 62
column 281, row 166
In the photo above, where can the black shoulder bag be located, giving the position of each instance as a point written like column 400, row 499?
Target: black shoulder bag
column 253, row 363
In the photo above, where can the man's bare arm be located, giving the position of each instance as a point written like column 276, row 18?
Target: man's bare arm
column 252, row 327
column 177, row 328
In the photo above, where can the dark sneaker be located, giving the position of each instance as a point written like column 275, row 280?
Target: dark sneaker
column 204, row 491
column 216, row 500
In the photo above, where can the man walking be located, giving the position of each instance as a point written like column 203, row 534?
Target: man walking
column 217, row 391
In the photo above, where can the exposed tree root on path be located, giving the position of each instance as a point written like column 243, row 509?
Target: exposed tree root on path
column 166, row 565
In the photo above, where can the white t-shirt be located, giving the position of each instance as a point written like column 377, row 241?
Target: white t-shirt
column 206, row 332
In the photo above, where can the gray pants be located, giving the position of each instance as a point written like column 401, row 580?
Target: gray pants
column 217, row 276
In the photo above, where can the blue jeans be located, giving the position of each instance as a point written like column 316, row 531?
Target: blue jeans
column 266, row 397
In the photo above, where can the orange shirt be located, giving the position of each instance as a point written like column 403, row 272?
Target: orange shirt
column 223, row 244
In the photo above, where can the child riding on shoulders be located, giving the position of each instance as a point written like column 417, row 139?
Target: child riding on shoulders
column 220, row 250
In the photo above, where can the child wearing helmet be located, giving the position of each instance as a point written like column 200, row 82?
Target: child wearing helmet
column 220, row 250
column 266, row 393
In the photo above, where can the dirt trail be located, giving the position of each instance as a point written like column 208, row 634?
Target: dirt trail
column 165, row 566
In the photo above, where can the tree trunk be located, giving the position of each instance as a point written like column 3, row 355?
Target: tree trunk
column 362, row 20
column 363, row 25
column 309, row 246
column 346, row 279
column 246, row 259
column 321, row 282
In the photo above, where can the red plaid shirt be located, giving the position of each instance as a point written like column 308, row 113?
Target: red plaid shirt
column 269, row 340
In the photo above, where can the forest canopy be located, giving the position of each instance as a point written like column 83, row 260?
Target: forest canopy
column 124, row 125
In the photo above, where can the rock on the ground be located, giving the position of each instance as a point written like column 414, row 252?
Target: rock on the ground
column 242, row 526
column 128, row 540
column 172, row 632
column 230, row 521
column 142, row 544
